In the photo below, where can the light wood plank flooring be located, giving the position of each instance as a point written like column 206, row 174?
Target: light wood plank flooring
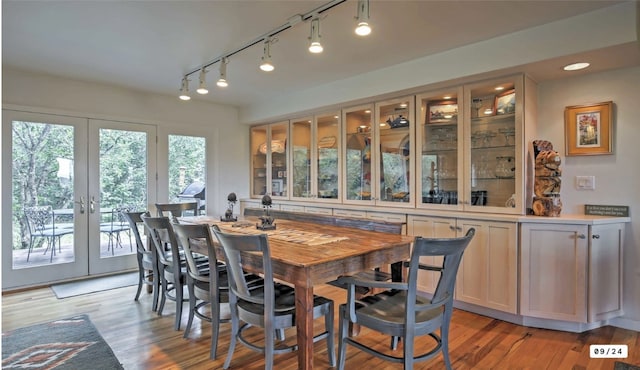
column 143, row 340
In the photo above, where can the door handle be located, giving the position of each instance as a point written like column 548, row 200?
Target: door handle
column 92, row 205
column 81, row 203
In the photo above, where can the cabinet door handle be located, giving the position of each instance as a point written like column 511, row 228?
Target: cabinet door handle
column 581, row 236
column 595, row 236
column 452, row 228
column 458, row 228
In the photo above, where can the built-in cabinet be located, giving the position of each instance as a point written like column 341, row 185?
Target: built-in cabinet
column 269, row 159
column 378, row 146
column 571, row 272
column 488, row 273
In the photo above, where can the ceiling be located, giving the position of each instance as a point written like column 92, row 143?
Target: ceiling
column 149, row 45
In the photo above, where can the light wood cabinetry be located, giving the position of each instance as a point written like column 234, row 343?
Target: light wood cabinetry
column 571, row 272
column 472, row 143
column 315, row 157
column 269, row 158
column 378, row 147
column 488, row 273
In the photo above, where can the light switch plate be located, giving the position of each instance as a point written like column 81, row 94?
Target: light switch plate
column 585, row 182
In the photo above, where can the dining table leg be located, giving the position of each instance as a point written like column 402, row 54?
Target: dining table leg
column 304, row 325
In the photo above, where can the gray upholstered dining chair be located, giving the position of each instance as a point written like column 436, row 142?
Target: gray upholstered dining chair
column 401, row 311
column 146, row 257
column 177, row 209
column 172, row 268
column 271, row 306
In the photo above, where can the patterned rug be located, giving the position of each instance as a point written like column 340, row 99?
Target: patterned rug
column 72, row 343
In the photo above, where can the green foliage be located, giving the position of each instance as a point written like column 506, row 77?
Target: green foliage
column 186, row 163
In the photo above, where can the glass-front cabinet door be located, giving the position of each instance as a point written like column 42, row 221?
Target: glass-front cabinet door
column 358, row 155
column 301, row 137
column 394, row 130
column 439, row 159
column 269, row 160
column 327, row 156
column 495, row 146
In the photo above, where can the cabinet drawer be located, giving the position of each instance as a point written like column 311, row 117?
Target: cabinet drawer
column 318, row 210
column 290, row 208
column 349, row 213
column 389, row 217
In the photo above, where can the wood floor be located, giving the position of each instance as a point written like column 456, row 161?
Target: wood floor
column 143, row 340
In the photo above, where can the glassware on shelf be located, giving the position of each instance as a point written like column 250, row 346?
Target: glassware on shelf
column 509, row 135
column 505, row 167
column 476, row 103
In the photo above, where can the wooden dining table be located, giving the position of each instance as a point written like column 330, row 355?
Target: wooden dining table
column 305, row 254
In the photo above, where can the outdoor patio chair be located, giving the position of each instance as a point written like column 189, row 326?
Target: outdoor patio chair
column 41, row 224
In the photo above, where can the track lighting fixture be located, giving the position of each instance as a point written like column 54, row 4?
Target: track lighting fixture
column 222, row 81
column 315, row 46
column 184, row 90
column 202, row 88
column 267, row 64
column 363, row 28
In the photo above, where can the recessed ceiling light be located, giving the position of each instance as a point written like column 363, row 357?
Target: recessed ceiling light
column 576, row 66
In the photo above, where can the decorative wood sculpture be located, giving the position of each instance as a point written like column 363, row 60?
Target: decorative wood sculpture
column 547, row 182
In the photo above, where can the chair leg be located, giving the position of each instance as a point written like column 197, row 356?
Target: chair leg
column 235, row 327
column 179, row 302
column 192, row 307
column 215, row 328
column 163, row 295
column 140, row 283
column 331, row 348
column 31, row 238
column 156, row 291
column 269, row 346
column 343, row 332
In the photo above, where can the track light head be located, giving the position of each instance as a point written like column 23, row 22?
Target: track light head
column 315, row 46
column 267, row 64
column 184, row 90
column 363, row 28
column 222, row 81
column 202, row 87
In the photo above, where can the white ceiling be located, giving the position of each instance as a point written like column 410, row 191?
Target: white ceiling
column 148, row 45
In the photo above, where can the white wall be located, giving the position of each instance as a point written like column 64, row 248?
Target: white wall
column 617, row 175
column 227, row 141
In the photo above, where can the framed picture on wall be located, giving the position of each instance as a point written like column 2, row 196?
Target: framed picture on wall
column 589, row 129
column 505, row 103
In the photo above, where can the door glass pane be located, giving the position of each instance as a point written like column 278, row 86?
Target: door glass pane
column 327, row 146
column 259, row 160
column 279, row 159
column 358, row 154
column 123, row 187
column 439, row 159
column 395, row 152
column 493, row 158
column 42, row 194
column 301, row 137
column 187, row 165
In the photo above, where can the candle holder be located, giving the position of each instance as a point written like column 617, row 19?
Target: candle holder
column 266, row 221
column 228, row 214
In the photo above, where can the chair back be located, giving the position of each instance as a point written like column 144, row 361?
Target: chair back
column 193, row 239
column 161, row 233
column 38, row 218
column 177, row 209
column 451, row 249
column 236, row 248
column 134, row 219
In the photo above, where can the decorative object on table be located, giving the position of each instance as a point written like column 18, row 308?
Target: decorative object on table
column 546, row 185
column 266, row 221
column 443, row 111
column 589, row 129
column 70, row 343
column 228, row 214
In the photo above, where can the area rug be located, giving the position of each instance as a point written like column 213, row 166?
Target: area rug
column 66, row 344
column 624, row 366
column 98, row 284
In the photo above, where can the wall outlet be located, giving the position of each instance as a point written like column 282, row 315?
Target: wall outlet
column 586, row 182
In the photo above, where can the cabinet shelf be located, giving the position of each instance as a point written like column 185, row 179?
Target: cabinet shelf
column 493, row 147
column 494, row 119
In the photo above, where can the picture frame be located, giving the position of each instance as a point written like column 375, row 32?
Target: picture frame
column 277, row 186
column 589, row 129
column 442, row 111
column 505, row 103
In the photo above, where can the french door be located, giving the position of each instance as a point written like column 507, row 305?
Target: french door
column 65, row 181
